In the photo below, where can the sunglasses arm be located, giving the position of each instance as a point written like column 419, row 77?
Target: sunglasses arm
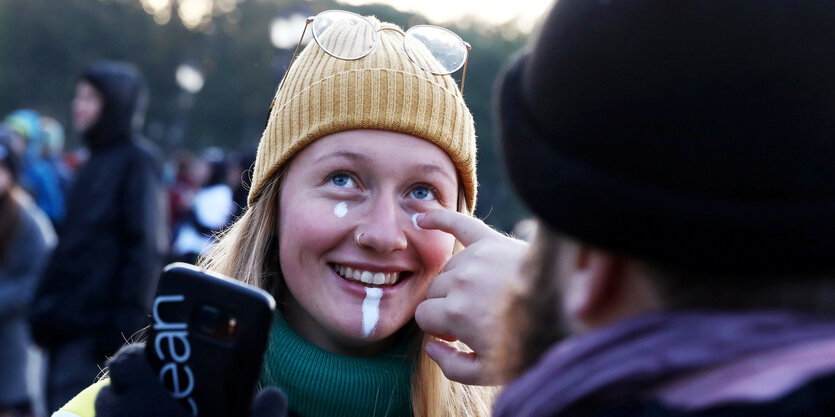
column 292, row 60
column 464, row 72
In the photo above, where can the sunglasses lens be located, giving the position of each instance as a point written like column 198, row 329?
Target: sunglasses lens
column 435, row 49
column 343, row 35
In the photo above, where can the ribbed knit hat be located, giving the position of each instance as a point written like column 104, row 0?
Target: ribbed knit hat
column 695, row 134
column 384, row 90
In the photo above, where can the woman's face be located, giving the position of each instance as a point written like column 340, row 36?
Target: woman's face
column 86, row 106
column 367, row 182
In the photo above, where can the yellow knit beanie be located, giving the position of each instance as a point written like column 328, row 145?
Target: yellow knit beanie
column 384, row 90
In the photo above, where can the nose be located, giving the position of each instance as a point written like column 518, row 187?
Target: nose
column 383, row 227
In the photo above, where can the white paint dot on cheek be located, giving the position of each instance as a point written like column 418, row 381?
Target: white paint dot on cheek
column 341, row 209
column 371, row 310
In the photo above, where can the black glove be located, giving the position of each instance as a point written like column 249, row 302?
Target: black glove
column 135, row 391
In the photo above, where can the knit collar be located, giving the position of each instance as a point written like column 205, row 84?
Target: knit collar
column 320, row 383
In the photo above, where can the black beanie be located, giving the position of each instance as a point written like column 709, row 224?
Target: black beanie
column 695, row 134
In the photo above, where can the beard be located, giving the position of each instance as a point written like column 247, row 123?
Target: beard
column 533, row 319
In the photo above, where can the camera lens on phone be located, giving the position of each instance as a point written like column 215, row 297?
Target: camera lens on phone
column 214, row 322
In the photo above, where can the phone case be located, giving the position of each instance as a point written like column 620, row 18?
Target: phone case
column 207, row 339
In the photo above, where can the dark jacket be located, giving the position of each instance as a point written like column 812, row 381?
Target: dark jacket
column 102, row 276
column 20, row 269
column 685, row 364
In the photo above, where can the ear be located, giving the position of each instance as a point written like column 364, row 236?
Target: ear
column 593, row 284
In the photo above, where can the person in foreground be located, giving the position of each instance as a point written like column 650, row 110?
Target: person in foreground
column 679, row 158
column 356, row 149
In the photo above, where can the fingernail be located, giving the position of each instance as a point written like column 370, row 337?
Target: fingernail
column 431, row 349
column 415, row 218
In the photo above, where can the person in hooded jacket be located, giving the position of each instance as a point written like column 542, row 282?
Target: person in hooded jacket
column 99, row 284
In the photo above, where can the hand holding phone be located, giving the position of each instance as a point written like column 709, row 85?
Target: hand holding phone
column 207, row 339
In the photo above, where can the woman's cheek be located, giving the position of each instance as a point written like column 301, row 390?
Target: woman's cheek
column 313, row 221
column 437, row 250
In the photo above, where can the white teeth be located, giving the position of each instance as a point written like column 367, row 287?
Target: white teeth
column 367, row 277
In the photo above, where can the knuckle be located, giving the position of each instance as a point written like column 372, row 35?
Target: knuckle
column 455, row 312
column 485, row 250
column 460, row 280
column 478, row 251
column 466, row 278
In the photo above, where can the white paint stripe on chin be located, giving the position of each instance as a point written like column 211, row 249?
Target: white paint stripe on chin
column 371, row 310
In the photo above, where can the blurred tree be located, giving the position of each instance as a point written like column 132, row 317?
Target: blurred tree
column 45, row 44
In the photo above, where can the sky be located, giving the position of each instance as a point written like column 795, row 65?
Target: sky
column 523, row 13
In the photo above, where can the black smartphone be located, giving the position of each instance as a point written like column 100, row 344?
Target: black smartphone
column 207, row 339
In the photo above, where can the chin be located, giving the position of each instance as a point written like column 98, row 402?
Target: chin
column 356, row 343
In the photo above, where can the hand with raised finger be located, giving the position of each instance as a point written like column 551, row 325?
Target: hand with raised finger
column 466, row 301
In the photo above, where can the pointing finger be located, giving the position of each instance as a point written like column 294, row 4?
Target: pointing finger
column 465, row 228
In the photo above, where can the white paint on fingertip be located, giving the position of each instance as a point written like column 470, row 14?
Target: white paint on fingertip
column 414, row 221
column 371, row 310
column 341, row 209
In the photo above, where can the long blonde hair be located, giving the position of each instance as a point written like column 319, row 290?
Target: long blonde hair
column 248, row 251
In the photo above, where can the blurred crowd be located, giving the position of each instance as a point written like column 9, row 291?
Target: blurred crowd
column 204, row 190
column 84, row 231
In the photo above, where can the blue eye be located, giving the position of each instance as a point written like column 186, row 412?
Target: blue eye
column 342, row 180
column 423, row 193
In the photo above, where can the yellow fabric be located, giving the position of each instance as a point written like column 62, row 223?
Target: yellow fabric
column 385, row 90
column 83, row 404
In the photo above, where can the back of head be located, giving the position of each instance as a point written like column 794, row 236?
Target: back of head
column 27, row 123
column 10, row 152
column 123, row 90
column 53, row 136
column 696, row 135
column 218, row 172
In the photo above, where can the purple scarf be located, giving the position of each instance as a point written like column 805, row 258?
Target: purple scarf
column 623, row 360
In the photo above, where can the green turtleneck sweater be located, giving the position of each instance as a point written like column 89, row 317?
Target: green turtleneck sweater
column 319, row 383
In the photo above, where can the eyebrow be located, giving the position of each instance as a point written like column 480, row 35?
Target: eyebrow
column 430, row 168
column 426, row 168
column 343, row 154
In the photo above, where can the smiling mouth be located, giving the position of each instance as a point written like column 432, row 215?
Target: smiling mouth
column 368, row 278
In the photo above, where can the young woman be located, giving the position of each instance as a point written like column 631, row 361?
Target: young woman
column 354, row 149
column 367, row 131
